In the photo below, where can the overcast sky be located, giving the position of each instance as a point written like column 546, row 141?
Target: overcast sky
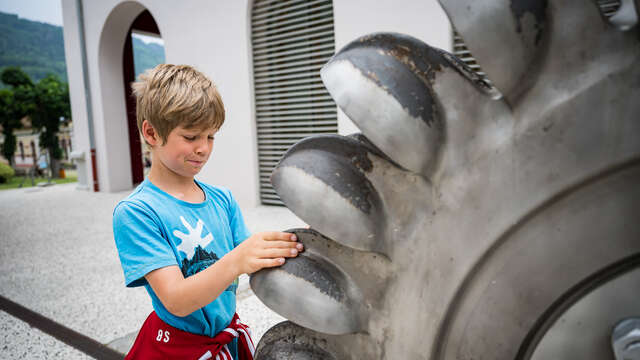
column 47, row 11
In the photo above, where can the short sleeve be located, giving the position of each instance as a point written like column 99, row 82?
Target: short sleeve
column 140, row 243
column 236, row 222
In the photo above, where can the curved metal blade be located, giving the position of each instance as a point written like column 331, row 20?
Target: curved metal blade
column 503, row 35
column 385, row 83
column 287, row 340
column 324, row 176
column 312, row 291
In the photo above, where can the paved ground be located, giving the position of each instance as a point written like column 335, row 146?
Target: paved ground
column 58, row 258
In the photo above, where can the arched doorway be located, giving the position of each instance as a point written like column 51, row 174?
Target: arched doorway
column 118, row 149
column 143, row 24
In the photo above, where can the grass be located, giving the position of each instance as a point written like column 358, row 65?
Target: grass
column 15, row 181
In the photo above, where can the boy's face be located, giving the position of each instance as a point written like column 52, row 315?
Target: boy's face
column 186, row 150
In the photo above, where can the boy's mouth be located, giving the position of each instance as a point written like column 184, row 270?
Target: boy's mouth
column 195, row 162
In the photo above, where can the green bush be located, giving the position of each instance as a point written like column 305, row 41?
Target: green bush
column 6, row 173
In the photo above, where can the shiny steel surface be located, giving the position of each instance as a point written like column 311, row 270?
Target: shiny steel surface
column 625, row 339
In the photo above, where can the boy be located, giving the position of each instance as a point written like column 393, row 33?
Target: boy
column 184, row 240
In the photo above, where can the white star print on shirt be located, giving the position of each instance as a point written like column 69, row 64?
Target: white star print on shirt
column 191, row 240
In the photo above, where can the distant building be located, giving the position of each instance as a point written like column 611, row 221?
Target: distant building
column 28, row 144
column 263, row 55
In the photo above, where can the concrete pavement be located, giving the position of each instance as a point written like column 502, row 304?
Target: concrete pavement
column 58, row 258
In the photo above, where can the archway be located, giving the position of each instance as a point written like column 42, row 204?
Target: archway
column 118, row 144
column 143, row 24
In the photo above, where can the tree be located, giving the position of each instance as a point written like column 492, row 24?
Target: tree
column 15, row 77
column 46, row 103
column 9, row 123
column 13, row 107
column 49, row 105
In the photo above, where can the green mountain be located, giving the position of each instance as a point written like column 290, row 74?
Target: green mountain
column 38, row 48
column 146, row 56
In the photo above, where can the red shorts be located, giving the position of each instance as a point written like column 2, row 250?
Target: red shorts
column 158, row 340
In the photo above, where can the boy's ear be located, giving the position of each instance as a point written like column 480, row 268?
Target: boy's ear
column 150, row 134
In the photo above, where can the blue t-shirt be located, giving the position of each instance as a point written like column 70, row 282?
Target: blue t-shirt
column 153, row 229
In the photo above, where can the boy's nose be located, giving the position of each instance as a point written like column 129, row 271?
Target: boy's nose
column 202, row 148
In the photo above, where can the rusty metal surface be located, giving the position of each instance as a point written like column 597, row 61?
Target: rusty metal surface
column 466, row 223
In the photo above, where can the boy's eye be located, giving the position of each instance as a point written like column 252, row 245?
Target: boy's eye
column 190, row 138
column 211, row 137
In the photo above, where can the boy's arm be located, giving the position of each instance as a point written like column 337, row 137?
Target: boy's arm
column 182, row 296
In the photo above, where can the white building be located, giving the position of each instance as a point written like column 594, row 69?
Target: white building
column 28, row 144
column 216, row 37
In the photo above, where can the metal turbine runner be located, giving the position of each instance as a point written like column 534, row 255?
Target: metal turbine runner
column 467, row 222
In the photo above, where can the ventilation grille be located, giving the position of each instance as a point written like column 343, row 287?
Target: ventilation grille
column 291, row 41
column 460, row 50
column 609, row 7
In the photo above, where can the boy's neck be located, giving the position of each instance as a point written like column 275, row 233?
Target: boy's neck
column 180, row 187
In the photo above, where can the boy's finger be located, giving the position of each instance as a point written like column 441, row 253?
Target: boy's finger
column 267, row 263
column 277, row 253
column 278, row 235
column 284, row 245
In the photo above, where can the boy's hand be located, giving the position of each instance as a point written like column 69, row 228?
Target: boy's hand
column 265, row 249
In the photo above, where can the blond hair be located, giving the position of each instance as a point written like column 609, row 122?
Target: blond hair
column 169, row 96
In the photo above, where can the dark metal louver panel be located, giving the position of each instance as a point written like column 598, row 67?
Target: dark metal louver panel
column 291, row 40
column 460, row 50
column 609, row 7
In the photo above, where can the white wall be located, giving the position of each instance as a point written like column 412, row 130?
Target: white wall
column 214, row 37
column 423, row 19
column 210, row 35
